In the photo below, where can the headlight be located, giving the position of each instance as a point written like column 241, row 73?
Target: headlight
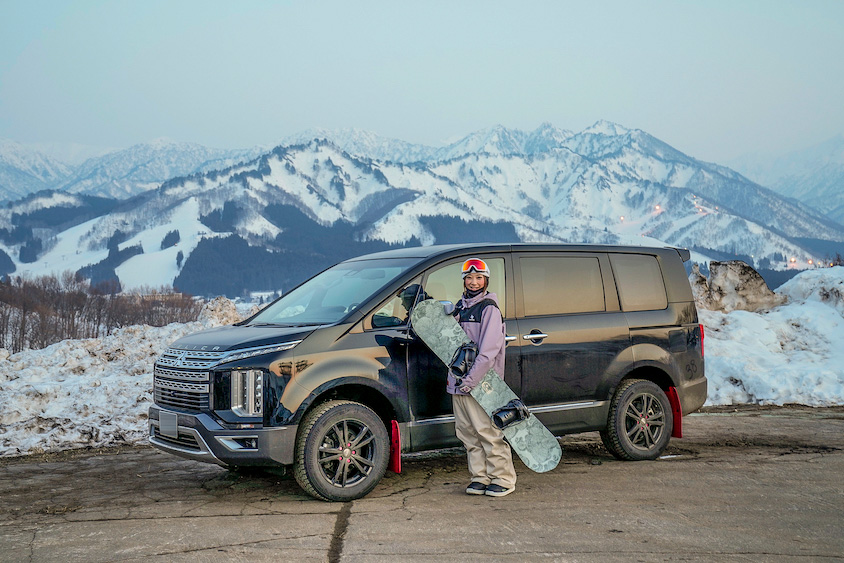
column 249, row 352
column 248, row 392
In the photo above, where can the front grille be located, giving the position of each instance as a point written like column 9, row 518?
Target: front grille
column 184, row 441
column 182, row 379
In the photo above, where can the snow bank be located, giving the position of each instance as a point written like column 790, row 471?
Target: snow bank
column 96, row 392
column 793, row 353
column 93, row 392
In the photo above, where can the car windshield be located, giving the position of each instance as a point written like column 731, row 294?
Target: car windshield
column 333, row 294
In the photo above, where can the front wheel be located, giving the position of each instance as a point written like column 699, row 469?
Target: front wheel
column 640, row 421
column 342, row 451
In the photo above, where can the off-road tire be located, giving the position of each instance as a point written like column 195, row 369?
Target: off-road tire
column 640, row 421
column 342, row 451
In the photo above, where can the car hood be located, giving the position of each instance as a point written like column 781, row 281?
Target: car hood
column 226, row 338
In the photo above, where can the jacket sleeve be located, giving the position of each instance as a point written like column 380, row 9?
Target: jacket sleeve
column 490, row 345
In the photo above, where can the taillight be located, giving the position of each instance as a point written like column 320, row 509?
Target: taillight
column 701, row 339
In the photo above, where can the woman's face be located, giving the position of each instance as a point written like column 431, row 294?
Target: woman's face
column 474, row 281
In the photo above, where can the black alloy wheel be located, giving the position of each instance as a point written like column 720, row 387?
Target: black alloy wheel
column 342, row 451
column 640, row 421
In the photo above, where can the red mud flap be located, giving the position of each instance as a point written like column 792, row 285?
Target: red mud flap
column 395, row 447
column 674, row 399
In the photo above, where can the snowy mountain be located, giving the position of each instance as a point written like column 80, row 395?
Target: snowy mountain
column 143, row 167
column 270, row 222
column 116, row 174
column 814, row 176
column 495, row 140
column 24, row 170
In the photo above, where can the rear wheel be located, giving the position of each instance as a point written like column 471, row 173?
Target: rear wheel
column 640, row 421
column 342, row 451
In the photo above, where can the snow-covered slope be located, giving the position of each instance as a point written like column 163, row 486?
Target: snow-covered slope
column 606, row 184
column 114, row 174
column 24, row 171
column 96, row 392
column 143, row 167
column 815, row 176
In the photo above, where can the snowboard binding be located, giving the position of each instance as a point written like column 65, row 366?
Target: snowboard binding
column 511, row 413
column 462, row 361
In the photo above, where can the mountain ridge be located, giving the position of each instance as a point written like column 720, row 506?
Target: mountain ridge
column 606, row 184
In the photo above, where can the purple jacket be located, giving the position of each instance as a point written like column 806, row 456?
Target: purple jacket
column 488, row 333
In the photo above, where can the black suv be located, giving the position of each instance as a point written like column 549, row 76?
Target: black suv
column 331, row 379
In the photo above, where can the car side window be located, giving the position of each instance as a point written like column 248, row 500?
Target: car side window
column 639, row 281
column 446, row 284
column 396, row 311
column 558, row 285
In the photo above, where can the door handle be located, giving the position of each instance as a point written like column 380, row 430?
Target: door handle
column 509, row 338
column 534, row 336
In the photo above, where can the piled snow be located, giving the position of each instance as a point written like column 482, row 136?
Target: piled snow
column 792, row 353
column 96, row 392
column 92, row 392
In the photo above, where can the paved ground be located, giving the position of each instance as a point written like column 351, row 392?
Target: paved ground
column 759, row 484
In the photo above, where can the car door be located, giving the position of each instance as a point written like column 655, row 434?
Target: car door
column 430, row 403
column 571, row 329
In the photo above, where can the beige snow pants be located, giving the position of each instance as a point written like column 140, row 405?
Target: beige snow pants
column 490, row 458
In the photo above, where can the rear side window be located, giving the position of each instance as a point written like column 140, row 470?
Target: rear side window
column 639, row 281
column 557, row 285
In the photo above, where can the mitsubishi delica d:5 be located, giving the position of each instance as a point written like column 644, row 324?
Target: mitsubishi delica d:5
column 331, row 379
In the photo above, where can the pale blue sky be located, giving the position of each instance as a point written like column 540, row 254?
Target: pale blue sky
column 716, row 80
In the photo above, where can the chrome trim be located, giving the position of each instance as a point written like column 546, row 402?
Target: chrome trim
column 534, row 336
column 567, row 406
column 182, row 374
column 199, row 359
column 427, row 421
column 190, row 359
column 541, row 409
column 181, row 386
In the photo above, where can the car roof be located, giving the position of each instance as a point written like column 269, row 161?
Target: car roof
column 423, row 252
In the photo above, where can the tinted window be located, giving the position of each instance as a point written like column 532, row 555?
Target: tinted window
column 333, row 294
column 396, row 311
column 556, row 285
column 639, row 281
column 446, row 284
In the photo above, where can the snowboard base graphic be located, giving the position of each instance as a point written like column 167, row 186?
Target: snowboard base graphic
column 534, row 444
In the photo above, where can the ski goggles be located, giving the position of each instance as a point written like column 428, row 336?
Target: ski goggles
column 475, row 265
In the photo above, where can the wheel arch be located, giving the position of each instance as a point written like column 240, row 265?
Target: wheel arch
column 650, row 371
column 656, row 373
column 357, row 389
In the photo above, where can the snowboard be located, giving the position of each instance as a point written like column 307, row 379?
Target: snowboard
column 534, row 444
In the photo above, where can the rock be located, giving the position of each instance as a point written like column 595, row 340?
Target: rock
column 731, row 286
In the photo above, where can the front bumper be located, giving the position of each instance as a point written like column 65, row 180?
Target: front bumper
column 199, row 437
